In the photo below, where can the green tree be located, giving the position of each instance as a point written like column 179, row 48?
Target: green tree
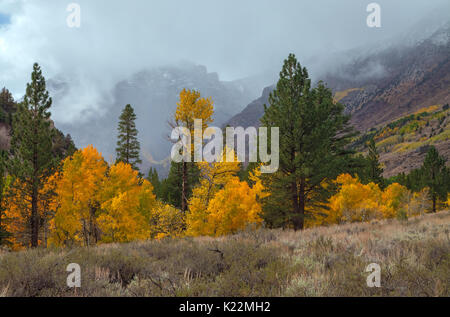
column 128, row 147
column 435, row 176
column 172, row 186
column 314, row 134
column 153, row 178
column 7, row 106
column 31, row 145
column 373, row 170
column 3, row 187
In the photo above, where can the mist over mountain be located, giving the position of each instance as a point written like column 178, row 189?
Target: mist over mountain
column 153, row 93
column 381, row 85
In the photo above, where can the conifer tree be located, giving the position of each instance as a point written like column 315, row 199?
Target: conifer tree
column 31, row 146
column 313, row 133
column 435, row 176
column 128, row 146
column 374, row 171
column 7, row 106
column 172, row 187
column 153, row 178
column 3, row 186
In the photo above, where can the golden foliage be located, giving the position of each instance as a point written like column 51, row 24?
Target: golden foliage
column 78, row 187
column 167, row 221
column 355, row 202
column 191, row 106
column 126, row 204
column 222, row 204
column 18, row 210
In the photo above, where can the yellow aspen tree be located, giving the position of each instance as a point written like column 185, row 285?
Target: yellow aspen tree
column 353, row 202
column 127, row 203
column 394, row 199
column 78, row 186
column 190, row 107
column 213, row 177
column 233, row 208
column 167, row 221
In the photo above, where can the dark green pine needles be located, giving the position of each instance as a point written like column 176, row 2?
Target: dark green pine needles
column 128, row 147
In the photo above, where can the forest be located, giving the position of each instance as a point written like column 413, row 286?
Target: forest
column 55, row 195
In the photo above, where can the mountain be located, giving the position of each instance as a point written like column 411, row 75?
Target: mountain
column 386, row 84
column 397, row 81
column 403, row 143
column 250, row 116
column 154, row 93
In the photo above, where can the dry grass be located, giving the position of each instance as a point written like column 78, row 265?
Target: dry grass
column 414, row 257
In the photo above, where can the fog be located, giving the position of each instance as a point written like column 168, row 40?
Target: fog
column 234, row 38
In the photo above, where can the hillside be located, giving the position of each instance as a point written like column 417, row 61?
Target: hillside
column 381, row 87
column 414, row 257
column 403, row 143
column 62, row 143
column 396, row 81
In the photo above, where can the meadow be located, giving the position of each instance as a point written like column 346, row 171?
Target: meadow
column 414, row 256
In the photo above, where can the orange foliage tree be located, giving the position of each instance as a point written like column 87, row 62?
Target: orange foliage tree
column 127, row 204
column 78, row 188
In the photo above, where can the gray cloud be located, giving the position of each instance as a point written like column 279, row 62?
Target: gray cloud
column 234, row 38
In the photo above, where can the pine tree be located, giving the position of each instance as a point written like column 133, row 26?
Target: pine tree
column 3, row 186
column 7, row 106
column 128, row 147
column 172, row 187
column 314, row 133
column 153, row 178
column 31, row 146
column 374, row 171
column 435, row 176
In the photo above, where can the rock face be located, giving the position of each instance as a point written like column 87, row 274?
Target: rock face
column 153, row 94
column 396, row 81
column 251, row 115
column 384, row 86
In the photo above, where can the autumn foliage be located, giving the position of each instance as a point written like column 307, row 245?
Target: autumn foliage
column 222, row 204
column 357, row 202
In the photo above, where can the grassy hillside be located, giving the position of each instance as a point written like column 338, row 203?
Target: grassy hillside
column 329, row 261
column 403, row 143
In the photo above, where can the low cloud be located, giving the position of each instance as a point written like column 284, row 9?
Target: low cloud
column 234, row 38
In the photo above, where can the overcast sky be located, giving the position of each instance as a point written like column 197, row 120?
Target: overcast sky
column 235, row 38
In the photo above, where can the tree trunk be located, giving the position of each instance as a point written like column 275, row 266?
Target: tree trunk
column 184, row 188
column 302, row 204
column 434, row 203
column 34, row 219
column 297, row 221
column 299, row 209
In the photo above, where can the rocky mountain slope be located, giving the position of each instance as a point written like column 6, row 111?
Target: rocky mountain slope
column 384, row 86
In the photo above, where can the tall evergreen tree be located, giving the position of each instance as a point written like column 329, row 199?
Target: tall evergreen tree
column 31, row 146
column 172, row 187
column 435, row 176
column 3, row 185
column 314, row 134
column 7, row 106
column 128, row 146
column 153, row 178
column 373, row 170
